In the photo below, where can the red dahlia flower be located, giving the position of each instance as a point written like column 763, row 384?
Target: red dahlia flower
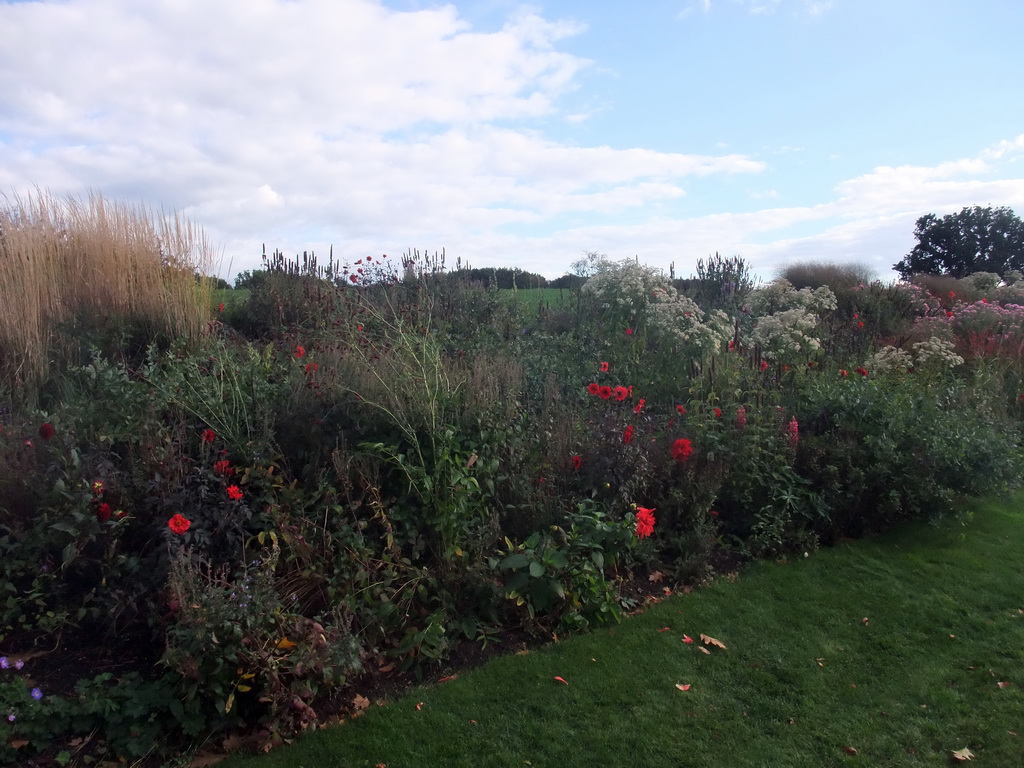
column 577, row 462
column 103, row 512
column 621, row 393
column 46, row 430
column 644, row 522
column 681, row 409
column 604, row 392
column 179, row 524
column 627, row 435
column 234, row 492
column 604, row 367
column 593, row 388
column 682, row 449
column 223, row 467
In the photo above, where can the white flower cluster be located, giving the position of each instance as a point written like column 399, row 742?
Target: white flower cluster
column 780, row 295
column 626, row 287
column 936, row 353
column 787, row 318
column 785, row 333
column 889, row 360
column 681, row 320
column 633, row 293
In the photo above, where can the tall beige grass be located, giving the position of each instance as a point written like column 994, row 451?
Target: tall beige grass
column 67, row 263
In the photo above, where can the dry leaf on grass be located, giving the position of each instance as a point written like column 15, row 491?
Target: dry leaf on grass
column 850, row 751
column 656, row 576
column 360, row 703
column 683, row 687
column 704, row 650
column 561, row 680
column 960, row 755
column 665, row 629
column 687, row 639
column 712, row 641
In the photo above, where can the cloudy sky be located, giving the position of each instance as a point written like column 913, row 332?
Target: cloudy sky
column 523, row 135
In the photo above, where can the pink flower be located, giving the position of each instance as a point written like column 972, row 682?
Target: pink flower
column 793, row 430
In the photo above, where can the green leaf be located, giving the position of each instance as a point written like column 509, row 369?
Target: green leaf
column 536, row 569
column 514, row 562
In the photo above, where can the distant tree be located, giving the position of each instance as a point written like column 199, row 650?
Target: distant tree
column 975, row 240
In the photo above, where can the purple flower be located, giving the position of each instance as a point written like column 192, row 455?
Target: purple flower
column 19, row 664
column 3, row 663
column 37, row 694
column 11, row 718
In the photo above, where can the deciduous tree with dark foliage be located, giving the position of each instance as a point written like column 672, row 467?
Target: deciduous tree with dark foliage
column 974, row 240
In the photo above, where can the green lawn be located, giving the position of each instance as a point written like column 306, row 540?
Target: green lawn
column 903, row 648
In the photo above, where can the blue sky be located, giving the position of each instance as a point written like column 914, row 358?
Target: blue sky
column 524, row 135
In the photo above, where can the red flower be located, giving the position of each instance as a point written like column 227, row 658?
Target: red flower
column 732, row 344
column 310, row 367
column 97, row 488
column 593, row 388
column 627, row 435
column 299, row 350
column 860, row 323
column 223, row 467
column 359, row 327
column 234, row 492
column 855, row 316
column 629, row 331
column 621, row 393
column 103, row 512
column 861, row 371
column 637, row 408
column 948, row 313
column 577, row 462
column 843, row 373
column 369, row 258
column 741, row 417
column 644, row 522
column 46, row 430
column 764, row 365
column 353, row 278
column 179, row 524
column 681, row 409
column 208, row 436
column 604, row 367
column 718, row 413
column 220, row 307
column 682, row 449
column 952, row 295
column 793, row 430
column 604, row 392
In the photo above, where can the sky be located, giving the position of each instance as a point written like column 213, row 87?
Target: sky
column 523, row 135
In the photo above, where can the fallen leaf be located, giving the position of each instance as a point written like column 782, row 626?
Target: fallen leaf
column 704, row 650
column 687, row 639
column 712, row 641
column 17, row 743
column 656, row 576
column 850, row 751
column 284, row 644
column 447, row 678
column 682, row 687
column 952, row 637
column 665, row 629
column 561, row 680
column 419, row 706
column 864, row 620
column 963, row 754
column 473, row 722
column 387, row 667
column 1004, row 685
column 360, row 702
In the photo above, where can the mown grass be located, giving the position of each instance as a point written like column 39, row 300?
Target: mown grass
column 894, row 647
